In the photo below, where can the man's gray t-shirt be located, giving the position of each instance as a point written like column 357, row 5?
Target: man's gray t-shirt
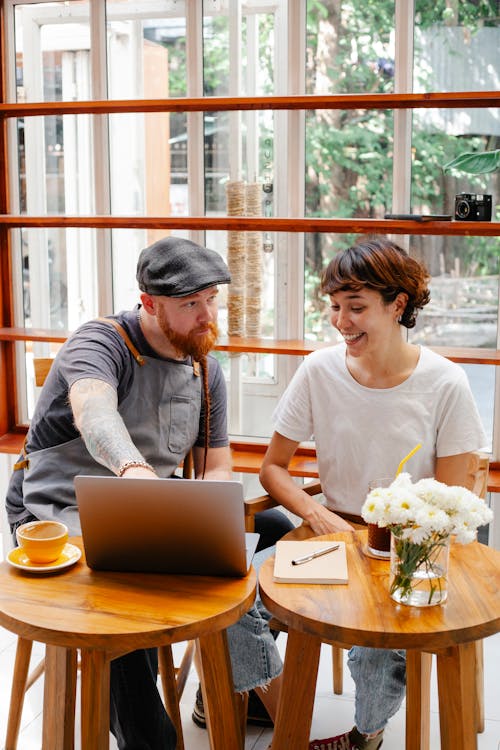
column 97, row 350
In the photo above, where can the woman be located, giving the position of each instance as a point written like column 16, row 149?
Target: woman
column 368, row 401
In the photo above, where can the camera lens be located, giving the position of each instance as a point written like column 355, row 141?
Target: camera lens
column 462, row 209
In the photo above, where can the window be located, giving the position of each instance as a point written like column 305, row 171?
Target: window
column 343, row 160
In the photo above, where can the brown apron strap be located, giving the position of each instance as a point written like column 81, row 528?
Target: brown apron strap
column 121, row 330
column 24, row 462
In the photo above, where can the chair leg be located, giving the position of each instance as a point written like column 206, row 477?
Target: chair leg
column 173, row 682
column 19, row 687
column 338, row 669
column 182, row 671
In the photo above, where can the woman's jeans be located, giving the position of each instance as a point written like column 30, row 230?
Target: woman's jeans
column 380, row 678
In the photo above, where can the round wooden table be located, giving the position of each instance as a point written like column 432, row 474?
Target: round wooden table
column 362, row 613
column 107, row 614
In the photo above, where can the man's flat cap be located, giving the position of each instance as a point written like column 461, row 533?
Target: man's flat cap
column 175, row 267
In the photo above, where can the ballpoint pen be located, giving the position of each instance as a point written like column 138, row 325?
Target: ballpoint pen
column 324, row 551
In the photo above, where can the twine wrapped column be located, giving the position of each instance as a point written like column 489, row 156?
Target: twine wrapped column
column 253, row 274
column 235, row 194
column 244, row 259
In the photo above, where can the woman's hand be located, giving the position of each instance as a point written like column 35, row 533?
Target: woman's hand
column 322, row 520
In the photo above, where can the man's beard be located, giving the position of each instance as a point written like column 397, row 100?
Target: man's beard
column 195, row 344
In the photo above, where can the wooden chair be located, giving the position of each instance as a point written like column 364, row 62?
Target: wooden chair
column 173, row 679
column 478, row 471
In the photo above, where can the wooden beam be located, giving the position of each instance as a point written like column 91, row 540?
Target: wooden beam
column 260, row 224
column 241, row 344
column 451, row 99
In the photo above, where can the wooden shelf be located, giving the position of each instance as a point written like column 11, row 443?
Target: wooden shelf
column 244, row 345
column 452, row 99
column 260, row 224
column 33, row 334
column 247, row 458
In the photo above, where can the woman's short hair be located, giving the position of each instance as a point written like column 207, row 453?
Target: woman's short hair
column 376, row 263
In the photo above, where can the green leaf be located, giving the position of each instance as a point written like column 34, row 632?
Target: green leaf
column 475, row 163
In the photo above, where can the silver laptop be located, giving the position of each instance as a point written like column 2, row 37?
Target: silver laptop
column 184, row 526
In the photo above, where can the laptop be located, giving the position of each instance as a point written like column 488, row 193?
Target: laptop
column 184, row 526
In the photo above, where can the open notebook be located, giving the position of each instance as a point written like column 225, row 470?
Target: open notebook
column 164, row 525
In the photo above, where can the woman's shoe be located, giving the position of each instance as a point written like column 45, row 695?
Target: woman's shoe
column 352, row 740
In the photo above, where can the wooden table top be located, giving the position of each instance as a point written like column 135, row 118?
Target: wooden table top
column 362, row 612
column 79, row 605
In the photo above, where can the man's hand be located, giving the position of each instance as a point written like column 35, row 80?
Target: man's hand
column 139, row 472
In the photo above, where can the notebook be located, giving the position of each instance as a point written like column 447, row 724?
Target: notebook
column 327, row 568
column 184, row 526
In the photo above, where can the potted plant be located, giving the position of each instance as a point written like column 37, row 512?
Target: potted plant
column 474, row 206
column 475, row 162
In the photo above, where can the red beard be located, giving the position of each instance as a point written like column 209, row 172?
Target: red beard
column 195, row 344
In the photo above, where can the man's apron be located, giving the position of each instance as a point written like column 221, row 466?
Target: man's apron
column 161, row 413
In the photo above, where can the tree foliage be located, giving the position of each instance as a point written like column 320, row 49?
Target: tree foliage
column 349, row 153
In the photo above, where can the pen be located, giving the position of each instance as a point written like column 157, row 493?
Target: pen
column 324, row 551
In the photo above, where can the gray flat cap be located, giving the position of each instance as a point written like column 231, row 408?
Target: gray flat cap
column 175, row 267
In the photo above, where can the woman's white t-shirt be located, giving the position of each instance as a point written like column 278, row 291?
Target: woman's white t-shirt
column 363, row 433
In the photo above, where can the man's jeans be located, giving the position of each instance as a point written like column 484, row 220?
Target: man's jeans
column 380, row 678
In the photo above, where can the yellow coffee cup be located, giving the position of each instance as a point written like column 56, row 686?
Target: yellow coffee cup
column 42, row 541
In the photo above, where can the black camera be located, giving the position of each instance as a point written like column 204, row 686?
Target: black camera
column 472, row 207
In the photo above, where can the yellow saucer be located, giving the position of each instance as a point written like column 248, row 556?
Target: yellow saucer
column 19, row 559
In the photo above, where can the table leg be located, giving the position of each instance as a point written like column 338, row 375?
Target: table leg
column 95, row 671
column 218, row 692
column 59, row 697
column 457, row 717
column 293, row 721
column 479, row 682
column 418, row 700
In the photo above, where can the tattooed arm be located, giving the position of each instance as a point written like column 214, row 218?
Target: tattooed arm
column 95, row 410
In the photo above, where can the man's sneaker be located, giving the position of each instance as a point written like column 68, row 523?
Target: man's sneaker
column 352, row 740
column 257, row 714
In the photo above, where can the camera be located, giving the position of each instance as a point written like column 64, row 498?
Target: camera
column 472, row 207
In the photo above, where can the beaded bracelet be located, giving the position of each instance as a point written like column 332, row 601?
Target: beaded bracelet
column 129, row 464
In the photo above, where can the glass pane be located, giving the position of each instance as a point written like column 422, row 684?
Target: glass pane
column 349, row 163
column 52, row 46
column 59, row 277
column 350, row 47
column 464, row 291
column 146, row 46
column 456, row 49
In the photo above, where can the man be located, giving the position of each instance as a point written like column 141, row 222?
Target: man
column 131, row 395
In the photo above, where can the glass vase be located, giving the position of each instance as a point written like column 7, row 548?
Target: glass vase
column 419, row 571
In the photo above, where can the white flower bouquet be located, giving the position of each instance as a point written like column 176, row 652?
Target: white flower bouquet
column 422, row 517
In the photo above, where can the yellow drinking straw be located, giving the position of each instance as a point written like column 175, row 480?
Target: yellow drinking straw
column 405, row 459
